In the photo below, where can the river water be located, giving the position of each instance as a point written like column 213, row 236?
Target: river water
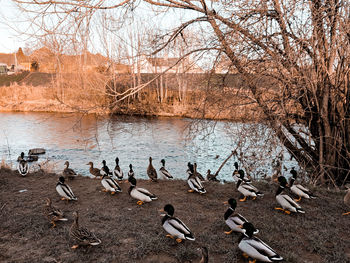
column 81, row 139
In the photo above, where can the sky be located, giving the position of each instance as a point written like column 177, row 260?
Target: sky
column 11, row 18
column 9, row 39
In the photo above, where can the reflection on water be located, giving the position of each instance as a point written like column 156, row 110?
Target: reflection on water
column 91, row 138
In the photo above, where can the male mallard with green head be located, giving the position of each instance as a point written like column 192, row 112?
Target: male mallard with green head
column 234, row 220
column 164, row 172
column 174, row 226
column 253, row 248
column 287, row 203
column 298, row 189
column 64, row 190
column 140, row 194
column 118, row 173
column 246, row 189
column 23, row 167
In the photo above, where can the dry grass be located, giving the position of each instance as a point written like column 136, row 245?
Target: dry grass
column 130, row 233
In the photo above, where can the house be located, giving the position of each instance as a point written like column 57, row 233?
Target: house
column 170, row 65
column 3, row 69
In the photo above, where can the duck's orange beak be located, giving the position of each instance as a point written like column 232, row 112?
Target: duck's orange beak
column 226, row 202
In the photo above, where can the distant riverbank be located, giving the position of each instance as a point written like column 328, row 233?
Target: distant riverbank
column 40, row 92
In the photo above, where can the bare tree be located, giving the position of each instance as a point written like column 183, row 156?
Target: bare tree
column 301, row 47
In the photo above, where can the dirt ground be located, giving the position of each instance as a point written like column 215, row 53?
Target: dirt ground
column 131, row 233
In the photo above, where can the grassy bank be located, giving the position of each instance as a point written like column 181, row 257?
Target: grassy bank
column 130, row 233
column 95, row 93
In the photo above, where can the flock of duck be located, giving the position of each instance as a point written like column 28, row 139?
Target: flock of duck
column 252, row 247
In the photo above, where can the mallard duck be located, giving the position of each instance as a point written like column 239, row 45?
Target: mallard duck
column 68, row 172
column 298, row 189
column 64, row 190
column 236, row 174
column 205, row 256
column 174, row 226
column 141, row 194
column 105, row 170
column 163, row 172
column 110, row 184
column 23, row 167
column 196, row 173
column 347, row 200
column 151, row 172
column 211, row 177
column 193, row 181
column 81, row 235
column 246, row 189
column 287, row 203
column 53, row 213
column 118, row 173
column 131, row 172
column 94, row 171
column 234, row 220
column 190, row 169
column 255, row 249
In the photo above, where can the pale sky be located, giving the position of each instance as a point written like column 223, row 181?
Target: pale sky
column 9, row 39
column 11, row 18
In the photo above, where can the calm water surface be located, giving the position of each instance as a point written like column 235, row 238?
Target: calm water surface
column 133, row 139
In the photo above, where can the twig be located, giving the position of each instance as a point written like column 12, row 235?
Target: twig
column 3, row 206
column 234, row 152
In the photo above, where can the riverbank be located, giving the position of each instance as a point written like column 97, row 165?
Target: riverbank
column 130, row 233
column 93, row 93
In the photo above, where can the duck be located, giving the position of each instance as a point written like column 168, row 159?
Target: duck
column 94, row 171
column 298, row 189
column 53, row 213
column 68, row 172
column 110, row 185
column 118, row 173
column 199, row 175
column 105, row 170
column 205, row 256
column 211, row 177
column 151, row 172
column 234, row 220
column 131, row 172
column 23, row 167
column 254, row 248
column 64, row 190
column 193, row 181
column 174, row 226
column 287, row 203
column 190, row 169
column 236, row 174
column 164, row 172
column 81, row 235
column 141, row 194
column 246, row 189
column 347, row 200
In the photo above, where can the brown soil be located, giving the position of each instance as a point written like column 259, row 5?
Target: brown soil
column 130, row 233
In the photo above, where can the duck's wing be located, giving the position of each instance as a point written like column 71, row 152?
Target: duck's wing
column 179, row 225
column 68, row 191
column 23, row 167
column 84, row 236
column 146, row 192
column 195, row 184
column 165, row 173
column 260, row 250
column 118, row 172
